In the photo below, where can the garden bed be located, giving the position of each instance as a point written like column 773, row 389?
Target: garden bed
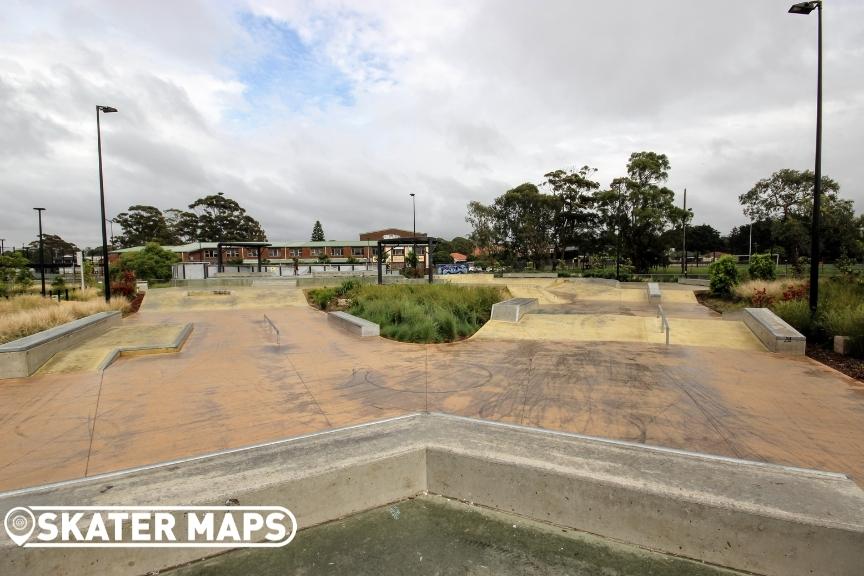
column 420, row 313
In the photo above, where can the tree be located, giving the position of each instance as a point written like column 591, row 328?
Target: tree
column 762, row 267
column 786, row 200
column 220, row 218
column 151, row 263
column 183, row 225
column 523, row 222
column 143, row 224
column 317, row 232
column 460, row 245
column 55, row 249
column 648, row 209
column 574, row 219
column 482, row 220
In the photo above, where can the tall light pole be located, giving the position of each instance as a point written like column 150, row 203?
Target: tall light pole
column 414, row 229
column 105, row 273
column 684, row 237
column 41, row 250
column 815, row 253
column 2, row 246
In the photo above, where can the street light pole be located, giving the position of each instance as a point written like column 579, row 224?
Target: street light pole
column 815, row 252
column 414, row 229
column 41, row 250
column 105, row 273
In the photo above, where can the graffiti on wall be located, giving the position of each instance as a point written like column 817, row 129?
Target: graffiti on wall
column 453, row 268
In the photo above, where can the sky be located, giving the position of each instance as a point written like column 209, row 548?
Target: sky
column 336, row 111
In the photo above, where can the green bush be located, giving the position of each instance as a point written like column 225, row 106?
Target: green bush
column 322, row 296
column 723, row 275
column 424, row 312
column 151, row 263
column 796, row 313
column 348, row 287
column 58, row 283
column 762, row 267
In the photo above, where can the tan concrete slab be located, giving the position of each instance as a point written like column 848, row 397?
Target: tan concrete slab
column 90, row 355
column 616, row 328
column 236, row 298
column 231, row 386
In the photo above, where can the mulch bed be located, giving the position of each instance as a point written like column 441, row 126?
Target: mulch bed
column 853, row 367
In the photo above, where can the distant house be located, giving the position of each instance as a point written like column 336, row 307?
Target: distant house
column 458, row 257
column 396, row 253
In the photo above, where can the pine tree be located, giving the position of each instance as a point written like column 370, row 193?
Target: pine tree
column 317, row 232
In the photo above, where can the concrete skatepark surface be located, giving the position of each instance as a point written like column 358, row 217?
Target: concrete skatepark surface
column 91, row 354
column 434, row 535
column 232, row 386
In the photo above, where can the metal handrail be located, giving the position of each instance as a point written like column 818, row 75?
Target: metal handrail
column 664, row 322
column 275, row 329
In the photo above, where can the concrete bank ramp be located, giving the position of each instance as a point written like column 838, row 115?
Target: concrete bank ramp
column 748, row 516
column 618, row 328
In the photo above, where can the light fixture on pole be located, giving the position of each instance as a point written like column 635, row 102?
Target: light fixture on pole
column 41, row 250
column 105, row 273
column 807, row 8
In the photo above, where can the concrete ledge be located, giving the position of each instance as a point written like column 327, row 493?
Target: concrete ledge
column 350, row 323
column 654, row 294
column 174, row 346
column 530, row 275
column 21, row 358
column 749, row 516
column 774, row 332
column 512, row 310
column 694, row 281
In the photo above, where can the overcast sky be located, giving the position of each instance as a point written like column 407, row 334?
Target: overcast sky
column 336, row 110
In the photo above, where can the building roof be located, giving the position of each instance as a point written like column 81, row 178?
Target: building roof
column 458, row 257
column 195, row 246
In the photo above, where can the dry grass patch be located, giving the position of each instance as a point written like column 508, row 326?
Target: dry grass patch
column 26, row 315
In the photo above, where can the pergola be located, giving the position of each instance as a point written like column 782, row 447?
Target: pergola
column 414, row 241
column 258, row 245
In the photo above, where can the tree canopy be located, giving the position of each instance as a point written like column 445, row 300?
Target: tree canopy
column 151, row 263
column 142, row 224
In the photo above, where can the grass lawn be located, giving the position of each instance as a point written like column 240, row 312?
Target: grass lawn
column 22, row 316
column 415, row 312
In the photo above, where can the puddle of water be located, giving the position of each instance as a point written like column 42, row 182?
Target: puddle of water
column 432, row 535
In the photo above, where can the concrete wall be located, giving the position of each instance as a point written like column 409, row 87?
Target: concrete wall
column 750, row 516
column 21, row 358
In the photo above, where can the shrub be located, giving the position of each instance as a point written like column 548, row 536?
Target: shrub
column 761, row 299
column 762, row 267
column 425, row 313
column 151, row 263
column 125, row 285
column 348, row 287
column 322, row 296
column 58, row 283
column 724, row 276
column 796, row 313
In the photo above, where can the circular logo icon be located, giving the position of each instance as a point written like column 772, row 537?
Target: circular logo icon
column 19, row 523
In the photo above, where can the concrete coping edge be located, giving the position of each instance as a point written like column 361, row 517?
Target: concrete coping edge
column 34, row 340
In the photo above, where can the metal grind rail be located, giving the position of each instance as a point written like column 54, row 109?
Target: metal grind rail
column 664, row 322
column 276, row 330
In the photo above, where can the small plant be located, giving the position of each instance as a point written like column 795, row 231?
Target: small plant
column 796, row 292
column 58, row 283
column 762, row 267
column 761, row 299
column 125, row 285
column 724, row 276
column 322, row 297
column 348, row 287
